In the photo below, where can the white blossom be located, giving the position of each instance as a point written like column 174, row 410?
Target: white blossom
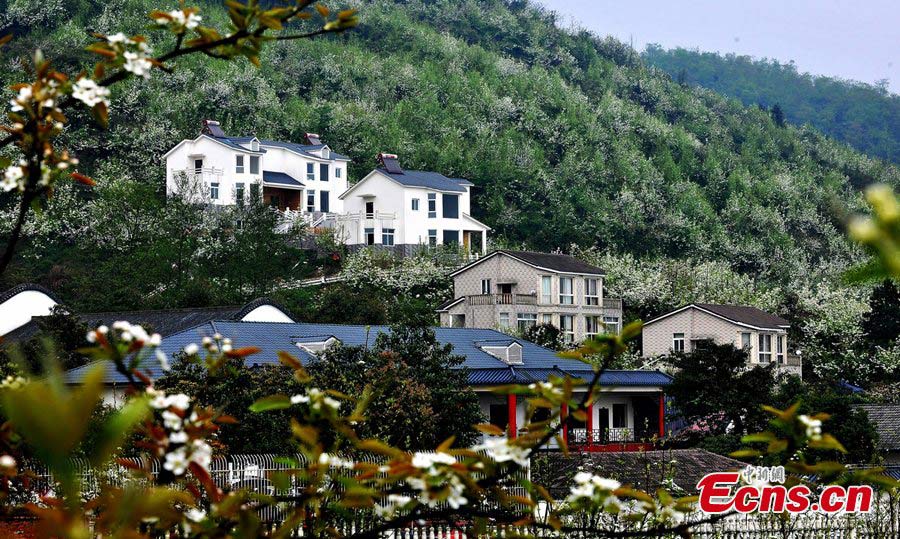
column 501, row 450
column 7, row 461
column 171, row 420
column 90, row 93
column 191, row 349
column 813, row 427
column 12, row 178
column 176, row 462
column 137, row 63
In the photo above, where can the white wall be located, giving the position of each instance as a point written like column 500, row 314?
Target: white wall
column 19, row 309
column 267, row 313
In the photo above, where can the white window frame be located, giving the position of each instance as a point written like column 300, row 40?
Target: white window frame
column 214, row 191
column 547, row 318
column 525, row 320
column 255, row 159
column 387, row 236
column 238, row 164
column 415, row 204
column 254, row 145
column 239, row 192
column 746, row 340
column 310, row 172
column 485, row 286
column 310, row 200
column 337, row 172
column 567, row 330
column 503, row 320
column 678, row 342
column 765, row 348
column 547, row 289
column 591, row 291
column 566, row 297
column 432, row 237
column 432, row 205
column 592, row 324
column 779, row 349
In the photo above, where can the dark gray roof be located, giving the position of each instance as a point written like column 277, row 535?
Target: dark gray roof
column 304, row 149
column 24, row 287
column 745, row 315
column 280, row 178
column 550, row 261
column 674, row 469
column 427, row 179
column 886, row 419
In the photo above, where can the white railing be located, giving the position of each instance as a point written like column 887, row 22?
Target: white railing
column 203, row 173
column 359, row 215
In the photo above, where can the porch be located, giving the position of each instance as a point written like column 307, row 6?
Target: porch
column 282, row 198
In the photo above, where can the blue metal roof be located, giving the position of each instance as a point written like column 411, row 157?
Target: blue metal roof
column 430, row 180
column 280, row 178
column 305, row 149
column 484, row 369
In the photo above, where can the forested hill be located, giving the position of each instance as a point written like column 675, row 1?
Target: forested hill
column 863, row 115
column 568, row 138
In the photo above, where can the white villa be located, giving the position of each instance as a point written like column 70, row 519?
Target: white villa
column 393, row 206
column 221, row 170
column 389, row 207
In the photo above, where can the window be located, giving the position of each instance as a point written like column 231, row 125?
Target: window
column 504, row 320
column 457, row 320
column 450, row 205
column 547, row 319
column 620, row 415
column 214, row 191
column 591, row 297
column 432, row 237
column 592, row 326
column 566, row 295
column 337, row 172
column 370, row 209
column 239, row 193
column 611, row 324
column 451, row 237
column 415, row 204
column 310, row 172
column 779, row 340
column 765, row 348
column 499, row 415
column 567, row 327
column 387, row 236
column 238, row 164
column 546, row 287
column 324, row 202
column 254, row 164
column 311, row 201
column 254, row 192
column 323, row 172
column 526, row 320
column 370, row 236
column 485, row 286
column 198, row 166
column 254, row 145
column 678, row 342
column 745, row 340
column 432, row 205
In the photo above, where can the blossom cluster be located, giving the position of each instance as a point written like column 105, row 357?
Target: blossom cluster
column 317, row 400
column 813, row 427
column 180, row 441
column 13, row 382
column 439, row 482
column 135, row 52
column 595, row 491
column 89, row 92
column 177, row 20
column 393, row 503
column 129, row 339
column 503, row 450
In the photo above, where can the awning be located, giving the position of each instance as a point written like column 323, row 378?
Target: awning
column 280, row 179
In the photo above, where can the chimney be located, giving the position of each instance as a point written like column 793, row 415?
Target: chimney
column 390, row 163
column 313, row 139
column 211, row 128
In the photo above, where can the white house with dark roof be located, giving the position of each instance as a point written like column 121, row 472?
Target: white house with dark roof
column 221, row 170
column 516, row 289
column 762, row 334
column 392, row 206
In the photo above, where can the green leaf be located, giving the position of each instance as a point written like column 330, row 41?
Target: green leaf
column 272, row 402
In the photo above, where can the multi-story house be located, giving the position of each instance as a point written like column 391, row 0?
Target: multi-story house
column 762, row 334
column 391, row 206
column 517, row 289
column 218, row 169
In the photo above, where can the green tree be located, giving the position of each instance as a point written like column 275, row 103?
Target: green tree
column 421, row 395
column 881, row 325
column 714, row 389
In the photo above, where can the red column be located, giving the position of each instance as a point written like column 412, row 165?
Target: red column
column 513, row 429
column 590, row 424
column 662, row 414
column 563, row 415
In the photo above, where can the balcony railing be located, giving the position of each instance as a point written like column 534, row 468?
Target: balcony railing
column 600, row 437
column 612, row 304
column 360, row 215
column 502, row 299
column 203, row 173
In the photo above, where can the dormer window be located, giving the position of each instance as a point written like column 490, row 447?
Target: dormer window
column 254, row 145
column 509, row 353
column 316, row 343
column 326, row 153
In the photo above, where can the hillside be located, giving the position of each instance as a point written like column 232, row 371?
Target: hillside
column 864, row 116
column 568, row 138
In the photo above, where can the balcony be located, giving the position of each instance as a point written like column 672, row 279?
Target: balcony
column 614, row 439
column 208, row 174
column 612, row 304
column 360, row 215
column 502, row 299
